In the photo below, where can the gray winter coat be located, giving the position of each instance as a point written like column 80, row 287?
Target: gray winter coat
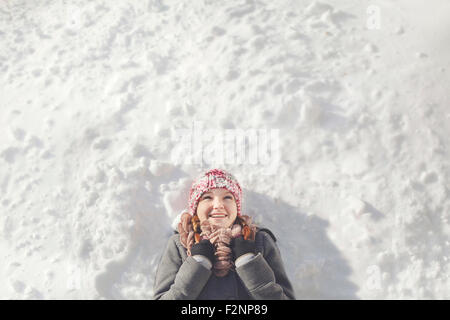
column 180, row 277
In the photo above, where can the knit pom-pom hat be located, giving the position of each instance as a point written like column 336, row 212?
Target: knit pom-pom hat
column 212, row 179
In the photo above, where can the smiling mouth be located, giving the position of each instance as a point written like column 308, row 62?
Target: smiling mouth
column 217, row 215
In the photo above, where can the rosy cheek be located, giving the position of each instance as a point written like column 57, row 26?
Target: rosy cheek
column 202, row 212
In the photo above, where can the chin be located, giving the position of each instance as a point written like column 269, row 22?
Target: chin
column 223, row 224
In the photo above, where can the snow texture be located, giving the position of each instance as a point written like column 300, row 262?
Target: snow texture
column 102, row 102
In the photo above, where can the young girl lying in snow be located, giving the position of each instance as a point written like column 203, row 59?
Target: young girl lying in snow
column 218, row 253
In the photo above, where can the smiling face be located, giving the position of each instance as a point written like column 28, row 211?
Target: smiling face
column 218, row 206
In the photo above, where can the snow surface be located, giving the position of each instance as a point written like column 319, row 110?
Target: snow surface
column 94, row 95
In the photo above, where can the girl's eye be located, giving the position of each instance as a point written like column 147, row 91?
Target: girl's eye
column 208, row 197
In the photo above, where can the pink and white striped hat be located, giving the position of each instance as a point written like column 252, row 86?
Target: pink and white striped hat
column 212, row 179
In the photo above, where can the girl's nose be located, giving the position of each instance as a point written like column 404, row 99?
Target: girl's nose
column 217, row 203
